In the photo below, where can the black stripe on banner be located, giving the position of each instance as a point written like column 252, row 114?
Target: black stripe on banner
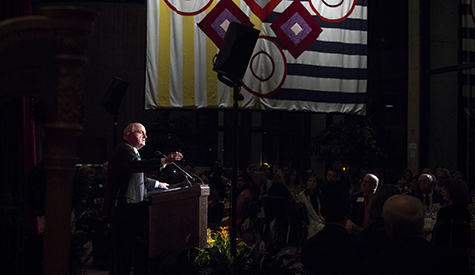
column 362, row 3
column 464, row 79
column 319, row 96
column 470, row 58
column 348, row 24
column 332, row 47
column 469, row 35
column 465, row 9
column 326, row 72
column 338, row 47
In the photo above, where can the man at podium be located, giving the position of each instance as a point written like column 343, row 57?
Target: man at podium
column 125, row 200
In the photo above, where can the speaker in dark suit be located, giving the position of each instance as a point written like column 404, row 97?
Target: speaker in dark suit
column 232, row 60
column 114, row 95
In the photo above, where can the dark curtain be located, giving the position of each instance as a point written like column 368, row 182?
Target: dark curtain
column 20, row 224
column 14, row 8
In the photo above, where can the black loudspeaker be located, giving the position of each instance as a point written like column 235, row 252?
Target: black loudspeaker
column 235, row 53
column 114, row 95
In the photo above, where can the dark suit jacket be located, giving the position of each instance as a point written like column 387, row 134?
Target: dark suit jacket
column 331, row 251
column 456, row 212
column 357, row 214
column 416, row 256
column 436, row 197
column 122, row 164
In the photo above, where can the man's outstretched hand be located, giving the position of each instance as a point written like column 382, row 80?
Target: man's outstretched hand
column 173, row 156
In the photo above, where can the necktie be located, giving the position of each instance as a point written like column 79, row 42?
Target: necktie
column 138, row 155
column 427, row 200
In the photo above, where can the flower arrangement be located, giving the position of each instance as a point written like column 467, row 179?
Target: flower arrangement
column 217, row 259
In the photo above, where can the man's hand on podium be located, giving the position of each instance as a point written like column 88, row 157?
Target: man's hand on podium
column 161, row 185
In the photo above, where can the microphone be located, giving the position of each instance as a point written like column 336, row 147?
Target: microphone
column 188, row 176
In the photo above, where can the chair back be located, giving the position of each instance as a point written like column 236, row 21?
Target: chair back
column 275, row 209
column 252, row 210
column 297, row 213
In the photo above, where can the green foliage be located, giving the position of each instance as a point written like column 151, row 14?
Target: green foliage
column 216, row 258
column 352, row 143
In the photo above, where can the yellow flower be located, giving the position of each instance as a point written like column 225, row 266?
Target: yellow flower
column 224, row 233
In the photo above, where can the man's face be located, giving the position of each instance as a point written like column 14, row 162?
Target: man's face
column 332, row 176
column 441, row 177
column 425, row 184
column 266, row 170
column 260, row 180
column 137, row 137
column 368, row 185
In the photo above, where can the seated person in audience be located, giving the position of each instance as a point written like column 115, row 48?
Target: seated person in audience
column 293, row 183
column 332, row 250
column 242, row 201
column 359, row 217
column 429, row 196
column 455, row 192
column 414, row 188
column 310, row 197
column 279, row 188
column 265, row 168
column 412, row 254
column 354, row 181
column 374, row 238
column 442, row 175
column 213, row 193
column 333, row 175
column 275, row 205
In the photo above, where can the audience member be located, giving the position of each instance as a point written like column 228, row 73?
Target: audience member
column 412, row 254
column 374, row 238
column 332, row 250
column 457, row 175
column 442, row 175
column 293, row 183
column 404, row 184
column 333, row 175
column 213, row 193
column 243, row 199
column 310, row 197
column 279, row 188
column 265, row 168
column 275, row 205
column 217, row 179
column 414, row 188
column 359, row 217
column 94, row 185
column 429, row 195
column 252, row 169
column 428, row 170
column 456, row 213
column 354, row 181
column 455, row 192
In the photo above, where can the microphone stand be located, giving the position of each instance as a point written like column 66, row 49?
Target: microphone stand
column 187, row 175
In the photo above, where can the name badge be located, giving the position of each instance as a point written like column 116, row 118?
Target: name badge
column 360, row 199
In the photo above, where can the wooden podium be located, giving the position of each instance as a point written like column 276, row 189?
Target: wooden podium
column 178, row 220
